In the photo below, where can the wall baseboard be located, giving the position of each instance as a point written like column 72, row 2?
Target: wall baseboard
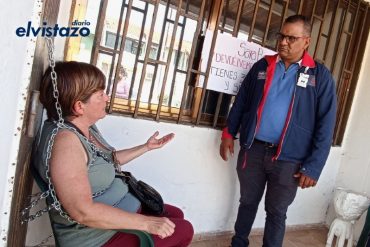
column 256, row 231
column 209, row 236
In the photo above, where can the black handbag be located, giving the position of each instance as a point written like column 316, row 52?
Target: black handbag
column 151, row 200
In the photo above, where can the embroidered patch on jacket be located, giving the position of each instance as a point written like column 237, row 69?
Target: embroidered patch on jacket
column 311, row 81
column 261, row 75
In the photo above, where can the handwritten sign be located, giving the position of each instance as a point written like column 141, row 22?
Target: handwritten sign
column 232, row 59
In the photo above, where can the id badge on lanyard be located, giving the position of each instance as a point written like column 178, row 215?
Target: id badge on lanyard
column 303, row 79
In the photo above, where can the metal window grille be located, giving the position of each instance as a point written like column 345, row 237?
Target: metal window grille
column 161, row 62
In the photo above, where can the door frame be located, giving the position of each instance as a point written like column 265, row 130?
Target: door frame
column 22, row 181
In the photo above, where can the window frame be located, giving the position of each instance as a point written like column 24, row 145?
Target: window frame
column 202, row 107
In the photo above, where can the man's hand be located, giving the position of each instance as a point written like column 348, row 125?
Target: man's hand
column 305, row 181
column 227, row 145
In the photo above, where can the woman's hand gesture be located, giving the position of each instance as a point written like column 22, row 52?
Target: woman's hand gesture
column 154, row 143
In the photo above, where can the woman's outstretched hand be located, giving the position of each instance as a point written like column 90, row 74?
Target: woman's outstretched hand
column 154, row 143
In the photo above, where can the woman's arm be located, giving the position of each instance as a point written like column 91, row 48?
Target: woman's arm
column 126, row 155
column 68, row 167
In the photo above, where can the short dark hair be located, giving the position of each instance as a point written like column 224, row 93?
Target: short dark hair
column 300, row 18
column 76, row 81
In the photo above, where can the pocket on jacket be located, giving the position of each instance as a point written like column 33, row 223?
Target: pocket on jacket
column 299, row 142
column 302, row 128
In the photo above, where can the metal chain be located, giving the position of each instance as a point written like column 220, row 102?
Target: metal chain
column 44, row 242
column 60, row 124
column 38, row 194
column 53, row 74
column 43, row 195
column 56, row 204
column 24, row 217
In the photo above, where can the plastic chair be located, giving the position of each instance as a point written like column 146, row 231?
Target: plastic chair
column 144, row 237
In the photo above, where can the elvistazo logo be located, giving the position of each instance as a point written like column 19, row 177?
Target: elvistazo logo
column 48, row 31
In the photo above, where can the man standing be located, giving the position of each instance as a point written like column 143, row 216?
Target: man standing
column 285, row 111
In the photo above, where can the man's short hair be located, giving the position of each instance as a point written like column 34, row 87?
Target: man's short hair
column 300, row 18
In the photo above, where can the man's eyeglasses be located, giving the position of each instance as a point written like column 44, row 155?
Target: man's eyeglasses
column 289, row 39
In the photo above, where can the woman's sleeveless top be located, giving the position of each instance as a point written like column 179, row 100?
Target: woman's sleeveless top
column 111, row 190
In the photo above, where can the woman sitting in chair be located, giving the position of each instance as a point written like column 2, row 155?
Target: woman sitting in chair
column 82, row 172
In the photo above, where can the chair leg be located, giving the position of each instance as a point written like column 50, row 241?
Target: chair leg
column 329, row 241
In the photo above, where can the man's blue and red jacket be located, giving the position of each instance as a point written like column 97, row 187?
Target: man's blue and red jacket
column 308, row 130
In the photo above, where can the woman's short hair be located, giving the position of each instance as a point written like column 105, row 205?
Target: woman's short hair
column 76, row 81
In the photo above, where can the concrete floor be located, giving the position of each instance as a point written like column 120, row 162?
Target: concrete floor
column 293, row 238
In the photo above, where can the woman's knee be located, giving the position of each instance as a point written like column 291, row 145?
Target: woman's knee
column 186, row 231
column 182, row 236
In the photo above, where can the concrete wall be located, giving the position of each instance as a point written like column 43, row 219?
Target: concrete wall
column 190, row 174
column 15, row 68
column 188, row 171
column 354, row 171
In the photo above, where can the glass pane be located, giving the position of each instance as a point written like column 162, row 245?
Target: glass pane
column 137, row 47
column 327, row 22
column 307, row 8
column 123, row 83
column 229, row 15
column 293, row 7
column 167, row 36
column 172, row 13
column 339, row 59
column 331, row 53
column 260, row 25
column 273, row 29
column 110, row 25
column 147, row 95
column 193, row 7
column 81, row 47
column 246, row 19
column 320, row 7
column 178, row 89
column 137, row 77
column 314, row 35
column 137, row 4
column 104, row 63
column 321, row 49
column 350, row 19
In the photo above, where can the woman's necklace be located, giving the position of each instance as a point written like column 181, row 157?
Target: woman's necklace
column 92, row 139
column 102, row 154
column 94, row 144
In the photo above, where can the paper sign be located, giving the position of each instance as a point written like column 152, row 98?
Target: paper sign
column 232, row 59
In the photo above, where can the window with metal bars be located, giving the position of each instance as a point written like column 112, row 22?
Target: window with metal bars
column 149, row 50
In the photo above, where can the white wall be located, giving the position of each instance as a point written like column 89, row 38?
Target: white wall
column 188, row 171
column 191, row 175
column 354, row 172
column 15, row 68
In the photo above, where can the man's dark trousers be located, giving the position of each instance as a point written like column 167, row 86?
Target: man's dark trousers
column 255, row 169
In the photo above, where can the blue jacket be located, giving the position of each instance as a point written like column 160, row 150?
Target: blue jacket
column 308, row 131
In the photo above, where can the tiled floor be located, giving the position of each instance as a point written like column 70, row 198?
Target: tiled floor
column 298, row 238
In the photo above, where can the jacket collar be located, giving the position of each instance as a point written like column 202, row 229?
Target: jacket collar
column 307, row 60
